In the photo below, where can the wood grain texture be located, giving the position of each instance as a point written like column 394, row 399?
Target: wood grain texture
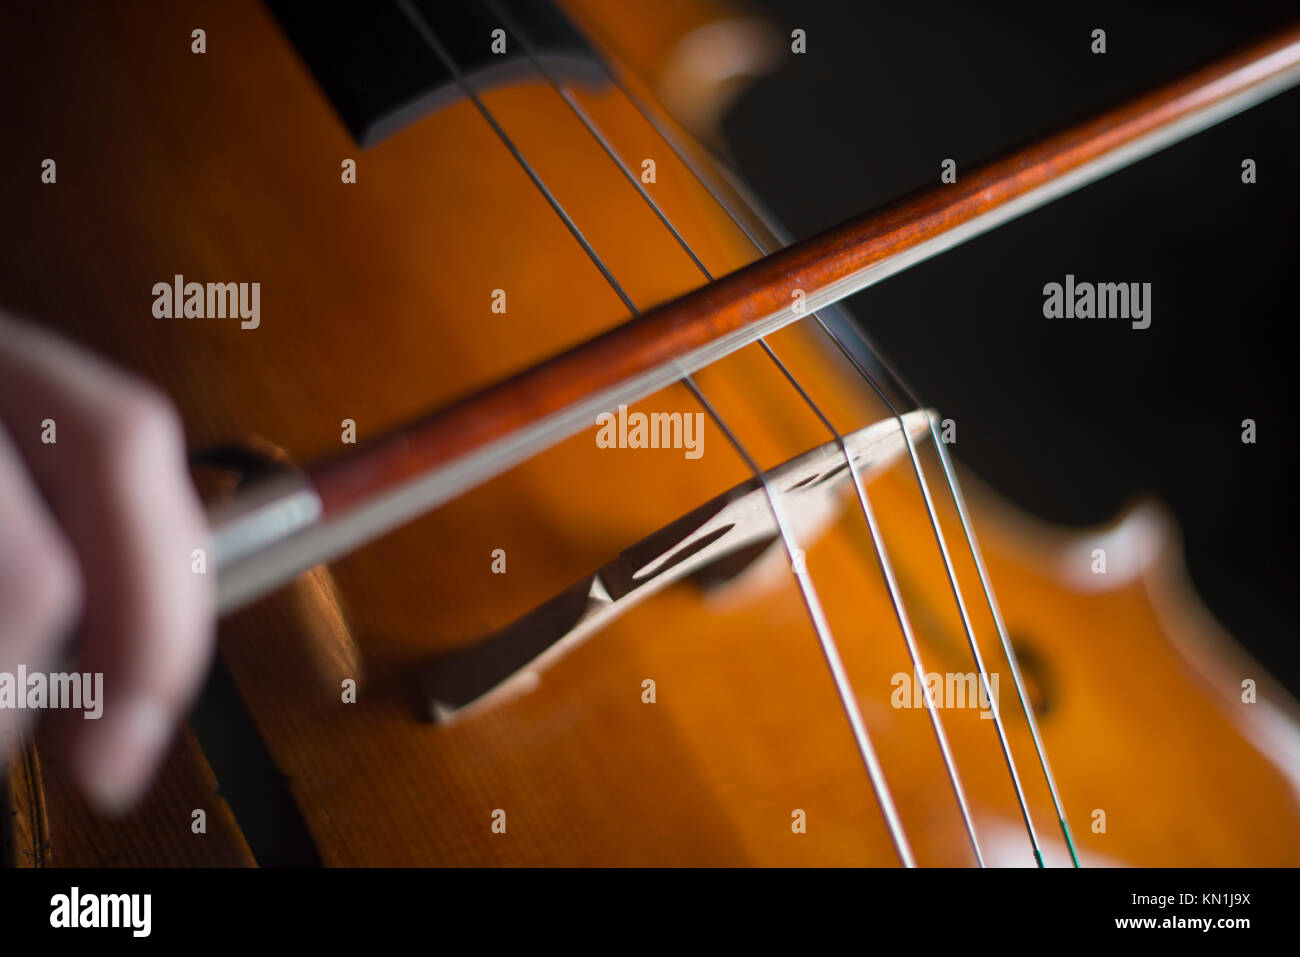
column 54, row 827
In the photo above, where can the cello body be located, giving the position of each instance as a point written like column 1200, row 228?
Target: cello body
column 377, row 304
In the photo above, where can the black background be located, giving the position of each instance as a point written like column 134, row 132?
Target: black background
column 1070, row 419
column 342, row 909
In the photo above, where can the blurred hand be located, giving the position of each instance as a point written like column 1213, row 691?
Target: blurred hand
column 97, row 533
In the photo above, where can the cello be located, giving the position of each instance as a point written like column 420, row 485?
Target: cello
column 559, row 516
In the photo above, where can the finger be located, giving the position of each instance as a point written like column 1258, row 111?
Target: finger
column 117, row 480
column 40, row 587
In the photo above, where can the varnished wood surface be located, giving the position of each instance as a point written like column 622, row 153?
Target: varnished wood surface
column 225, row 167
column 53, row 827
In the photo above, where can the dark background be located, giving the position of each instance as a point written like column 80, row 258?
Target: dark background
column 1070, row 419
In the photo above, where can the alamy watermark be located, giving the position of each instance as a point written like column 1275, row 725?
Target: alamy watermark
column 1103, row 300
column 82, row 691
column 75, row 909
column 950, row 690
column 214, row 300
column 651, row 430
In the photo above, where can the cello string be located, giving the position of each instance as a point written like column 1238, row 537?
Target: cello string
column 782, row 238
column 955, row 587
column 972, row 544
column 408, row 8
column 868, row 512
column 848, row 700
column 798, row 565
column 764, row 247
column 526, row 45
column 950, row 478
column 1030, row 718
column 900, row 610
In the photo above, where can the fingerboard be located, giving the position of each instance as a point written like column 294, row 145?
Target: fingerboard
column 380, row 75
